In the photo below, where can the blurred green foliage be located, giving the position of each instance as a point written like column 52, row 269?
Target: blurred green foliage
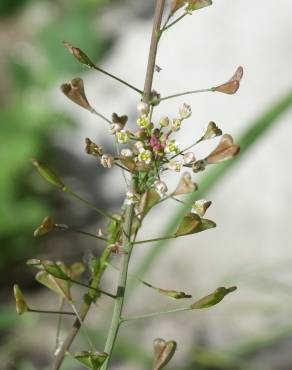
column 32, row 66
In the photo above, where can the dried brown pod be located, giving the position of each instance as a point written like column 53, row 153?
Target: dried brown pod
column 197, row 4
column 79, row 55
column 122, row 120
column 74, row 90
column 185, row 185
column 225, row 150
column 163, row 352
column 176, row 4
column 231, row 86
column 92, row 149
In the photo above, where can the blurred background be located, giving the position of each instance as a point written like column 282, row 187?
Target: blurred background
column 252, row 198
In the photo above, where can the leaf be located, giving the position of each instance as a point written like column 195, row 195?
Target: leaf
column 163, row 352
column 61, row 287
column 213, row 298
column 48, row 174
column 231, row 86
column 188, row 225
column 21, row 305
column 225, row 150
column 92, row 360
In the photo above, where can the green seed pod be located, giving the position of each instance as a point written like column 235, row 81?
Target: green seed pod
column 21, row 305
column 48, row 174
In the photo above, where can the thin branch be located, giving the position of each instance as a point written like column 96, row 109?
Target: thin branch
column 67, row 228
column 155, row 239
column 174, row 22
column 101, row 116
column 154, row 314
column 118, row 79
column 185, row 93
column 90, row 287
column 51, row 312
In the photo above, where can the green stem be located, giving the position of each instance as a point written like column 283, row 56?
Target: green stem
column 89, row 205
column 155, row 239
column 154, row 314
column 52, row 312
column 67, row 228
column 91, row 287
column 119, row 302
column 59, row 358
column 174, row 22
column 185, row 93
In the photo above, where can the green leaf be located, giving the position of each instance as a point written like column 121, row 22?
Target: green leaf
column 213, row 298
column 92, row 360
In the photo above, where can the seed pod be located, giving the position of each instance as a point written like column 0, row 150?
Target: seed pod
column 21, row 305
column 74, row 90
column 200, row 207
column 212, row 131
column 185, row 185
column 91, row 360
column 122, row 120
column 48, row 174
column 79, row 55
column 225, row 150
column 92, row 149
column 163, row 352
column 213, row 298
column 231, row 86
column 176, row 4
column 45, row 227
column 198, row 4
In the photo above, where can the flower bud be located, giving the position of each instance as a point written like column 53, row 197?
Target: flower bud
column 122, row 136
column 176, row 124
column 144, row 122
column 185, row 111
column 107, row 160
column 164, row 121
column 161, row 187
column 79, row 55
column 127, row 153
column 172, row 147
column 132, row 197
column 92, row 149
column 143, row 108
column 189, row 158
column 145, row 156
column 174, row 166
column 154, row 98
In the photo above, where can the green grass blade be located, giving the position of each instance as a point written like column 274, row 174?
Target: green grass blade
column 255, row 131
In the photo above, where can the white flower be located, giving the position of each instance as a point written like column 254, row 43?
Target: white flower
column 139, row 146
column 115, row 127
column 122, row 136
column 161, row 187
column 189, row 158
column 144, row 122
column 175, row 166
column 164, row 121
column 145, row 156
column 176, row 124
column 131, row 197
column 126, row 153
column 143, row 108
column 107, row 160
column 172, row 147
column 185, row 111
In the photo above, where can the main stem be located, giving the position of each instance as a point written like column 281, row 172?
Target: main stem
column 153, row 49
column 127, row 244
column 119, row 302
